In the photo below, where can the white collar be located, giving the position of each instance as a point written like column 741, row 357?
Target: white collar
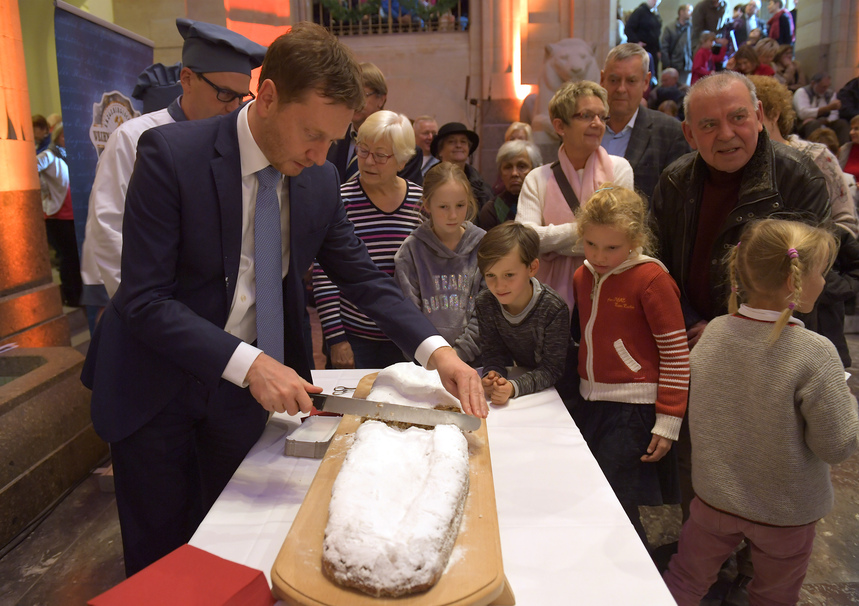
column 253, row 160
column 766, row 315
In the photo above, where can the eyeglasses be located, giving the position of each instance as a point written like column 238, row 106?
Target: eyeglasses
column 588, row 117
column 226, row 95
column 363, row 152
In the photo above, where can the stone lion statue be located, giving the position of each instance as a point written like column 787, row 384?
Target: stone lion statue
column 570, row 59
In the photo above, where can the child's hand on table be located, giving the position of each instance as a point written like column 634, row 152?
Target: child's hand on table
column 488, row 381
column 501, row 391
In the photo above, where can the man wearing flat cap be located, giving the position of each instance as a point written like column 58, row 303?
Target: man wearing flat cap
column 203, row 338
column 214, row 80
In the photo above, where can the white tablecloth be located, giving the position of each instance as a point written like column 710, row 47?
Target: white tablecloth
column 564, row 537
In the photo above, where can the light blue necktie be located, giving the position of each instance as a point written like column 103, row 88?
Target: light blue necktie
column 268, row 263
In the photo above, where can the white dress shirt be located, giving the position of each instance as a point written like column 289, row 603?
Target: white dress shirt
column 243, row 315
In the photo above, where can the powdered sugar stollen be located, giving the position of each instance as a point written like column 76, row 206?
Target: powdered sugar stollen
column 395, row 508
column 411, row 385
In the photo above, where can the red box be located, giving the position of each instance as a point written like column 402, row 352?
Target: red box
column 190, row 577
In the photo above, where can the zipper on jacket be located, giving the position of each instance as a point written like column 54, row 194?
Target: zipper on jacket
column 588, row 335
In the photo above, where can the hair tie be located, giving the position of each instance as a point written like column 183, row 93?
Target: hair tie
column 791, row 252
column 602, row 189
column 738, row 243
column 791, row 306
column 733, row 289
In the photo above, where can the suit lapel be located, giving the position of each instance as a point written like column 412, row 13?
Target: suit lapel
column 638, row 137
column 227, row 172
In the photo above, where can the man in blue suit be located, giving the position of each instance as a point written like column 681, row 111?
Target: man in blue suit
column 182, row 381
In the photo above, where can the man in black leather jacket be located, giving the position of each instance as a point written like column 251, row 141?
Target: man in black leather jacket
column 736, row 175
column 705, row 199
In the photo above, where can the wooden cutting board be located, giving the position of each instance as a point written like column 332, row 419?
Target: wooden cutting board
column 475, row 575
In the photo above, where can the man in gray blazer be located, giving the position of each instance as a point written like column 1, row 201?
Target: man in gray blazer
column 648, row 139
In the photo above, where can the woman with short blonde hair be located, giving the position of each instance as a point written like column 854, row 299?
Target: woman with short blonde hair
column 550, row 193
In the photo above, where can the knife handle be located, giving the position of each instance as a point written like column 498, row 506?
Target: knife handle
column 318, row 400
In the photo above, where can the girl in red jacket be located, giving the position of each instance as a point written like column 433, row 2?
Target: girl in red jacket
column 633, row 354
column 710, row 52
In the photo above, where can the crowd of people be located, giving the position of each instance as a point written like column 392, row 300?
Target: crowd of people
column 651, row 265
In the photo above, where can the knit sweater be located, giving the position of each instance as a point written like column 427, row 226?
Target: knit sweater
column 633, row 346
column 443, row 283
column 383, row 233
column 537, row 338
column 766, row 421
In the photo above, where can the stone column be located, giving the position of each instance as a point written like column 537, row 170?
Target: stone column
column 157, row 21
column 498, row 103
column 827, row 38
column 590, row 17
column 31, row 312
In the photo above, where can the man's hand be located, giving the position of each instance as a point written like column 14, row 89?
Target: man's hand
column 657, row 449
column 501, row 392
column 694, row 332
column 341, row 355
column 278, row 388
column 461, row 380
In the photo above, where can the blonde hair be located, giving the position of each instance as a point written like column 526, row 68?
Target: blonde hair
column 766, row 46
column 389, row 127
column 524, row 127
column 770, row 251
column 565, row 101
column 446, row 172
column 619, row 208
column 775, row 98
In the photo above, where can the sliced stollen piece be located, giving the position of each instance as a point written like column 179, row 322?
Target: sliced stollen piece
column 395, row 509
column 412, row 385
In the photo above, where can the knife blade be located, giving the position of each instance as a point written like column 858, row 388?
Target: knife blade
column 384, row 411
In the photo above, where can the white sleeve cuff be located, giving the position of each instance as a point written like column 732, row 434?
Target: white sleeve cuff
column 428, row 347
column 240, row 362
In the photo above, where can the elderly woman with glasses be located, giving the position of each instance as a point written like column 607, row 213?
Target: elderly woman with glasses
column 550, row 193
column 385, row 209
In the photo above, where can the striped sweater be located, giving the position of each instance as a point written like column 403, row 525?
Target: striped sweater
column 382, row 233
column 634, row 346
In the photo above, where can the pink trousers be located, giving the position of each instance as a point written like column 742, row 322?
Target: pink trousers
column 780, row 556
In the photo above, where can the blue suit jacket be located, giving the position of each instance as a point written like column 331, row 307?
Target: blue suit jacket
column 163, row 331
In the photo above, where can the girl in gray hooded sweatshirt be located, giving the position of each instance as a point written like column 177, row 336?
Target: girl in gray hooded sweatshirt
column 437, row 264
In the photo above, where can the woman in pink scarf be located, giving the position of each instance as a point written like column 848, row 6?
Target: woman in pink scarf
column 578, row 111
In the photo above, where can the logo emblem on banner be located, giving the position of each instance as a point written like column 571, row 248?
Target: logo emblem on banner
column 114, row 109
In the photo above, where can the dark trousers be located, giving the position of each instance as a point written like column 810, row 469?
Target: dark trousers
column 169, row 472
column 374, row 354
column 61, row 237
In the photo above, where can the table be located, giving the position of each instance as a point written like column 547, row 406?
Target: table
column 564, row 537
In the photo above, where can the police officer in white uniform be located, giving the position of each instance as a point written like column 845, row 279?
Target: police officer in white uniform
column 215, row 79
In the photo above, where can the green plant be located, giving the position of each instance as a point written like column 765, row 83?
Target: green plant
column 428, row 11
column 351, row 10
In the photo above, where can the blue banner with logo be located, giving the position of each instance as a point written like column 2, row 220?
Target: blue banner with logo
column 98, row 64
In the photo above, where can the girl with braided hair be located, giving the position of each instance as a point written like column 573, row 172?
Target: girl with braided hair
column 769, row 411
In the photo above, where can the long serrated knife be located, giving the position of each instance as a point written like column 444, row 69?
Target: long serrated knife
column 393, row 412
